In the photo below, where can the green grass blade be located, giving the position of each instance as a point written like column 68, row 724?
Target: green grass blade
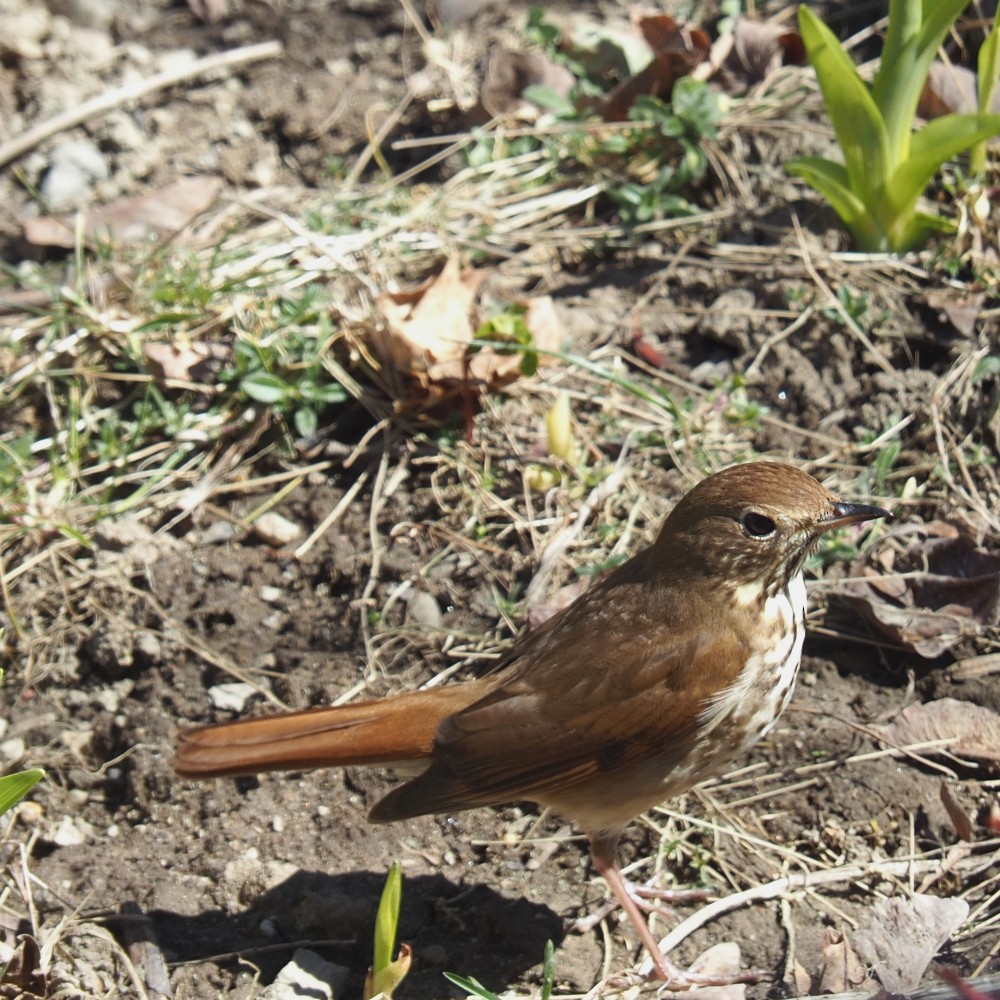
column 14, row 787
column 387, row 918
column 935, row 143
column 856, row 119
column 902, row 74
column 989, row 70
column 830, row 180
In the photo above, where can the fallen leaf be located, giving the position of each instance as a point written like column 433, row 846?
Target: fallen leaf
column 960, row 311
column 945, row 589
column 131, row 220
column 510, row 74
column 841, row 970
column 904, row 935
column 722, row 959
column 958, row 816
column 428, row 332
column 192, row 362
column 753, row 50
column 973, row 731
column 950, row 89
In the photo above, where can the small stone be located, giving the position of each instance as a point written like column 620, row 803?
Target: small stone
column 307, row 975
column 72, row 831
column 74, row 166
column 146, row 647
column 12, row 750
column 231, row 697
column 30, row 812
column 108, row 698
column 268, row 928
column 277, row 530
column 423, row 609
column 271, row 595
column 278, row 824
column 217, row 534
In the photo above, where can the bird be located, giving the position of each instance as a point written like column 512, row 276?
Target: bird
column 659, row 675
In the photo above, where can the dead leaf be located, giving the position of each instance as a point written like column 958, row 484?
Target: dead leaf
column 799, row 980
column 722, row 959
column 754, row 50
column 959, row 310
column 945, row 589
column 192, row 362
column 973, row 731
column 427, row 332
column 904, row 936
column 958, row 816
column 131, row 220
column 841, row 971
column 949, row 89
column 511, row 73
column 677, row 50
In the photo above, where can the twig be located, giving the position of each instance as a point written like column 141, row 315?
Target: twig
column 19, row 145
column 772, row 890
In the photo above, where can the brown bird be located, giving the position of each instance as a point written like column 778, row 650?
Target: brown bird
column 658, row 676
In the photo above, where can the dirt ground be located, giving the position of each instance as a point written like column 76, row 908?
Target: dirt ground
column 236, row 874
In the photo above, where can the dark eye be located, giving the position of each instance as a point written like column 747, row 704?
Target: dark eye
column 757, row 525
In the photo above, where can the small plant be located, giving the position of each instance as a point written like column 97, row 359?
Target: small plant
column 387, row 972
column 887, row 165
column 508, row 333
column 475, row 988
column 14, row 787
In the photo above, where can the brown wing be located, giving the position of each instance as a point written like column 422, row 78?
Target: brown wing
column 606, row 695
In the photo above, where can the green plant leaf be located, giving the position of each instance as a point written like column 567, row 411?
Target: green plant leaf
column 856, row 119
column 387, row 918
column 989, row 69
column 14, row 787
column 905, row 64
column 471, row 985
column 830, row 180
column 938, row 141
column 264, row 387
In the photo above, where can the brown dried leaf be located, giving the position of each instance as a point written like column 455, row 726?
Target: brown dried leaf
column 973, row 730
column 759, row 48
column 841, row 971
column 952, row 591
column 677, row 50
column 511, row 73
column 958, row 816
column 193, row 362
column 722, row 959
column 427, row 332
column 131, row 220
column 949, row 88
column 905, row 935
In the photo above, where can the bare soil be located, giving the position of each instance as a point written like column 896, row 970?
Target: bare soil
column 236, row 874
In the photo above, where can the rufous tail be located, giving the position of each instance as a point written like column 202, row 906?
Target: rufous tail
column 390, row 730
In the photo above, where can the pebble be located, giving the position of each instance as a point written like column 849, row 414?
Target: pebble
column 423, row 609
column 278, row 824
column 307, row 975
column 146, row 646
column 271, row 595
column 277, row 530
column 232, row 697
column 72, row 831
column 12, row 750
column 74, row 166
column 217, row 533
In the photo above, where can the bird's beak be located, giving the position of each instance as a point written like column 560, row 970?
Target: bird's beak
column 851, row 513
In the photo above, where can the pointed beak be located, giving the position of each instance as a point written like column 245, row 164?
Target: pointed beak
column 851, row 513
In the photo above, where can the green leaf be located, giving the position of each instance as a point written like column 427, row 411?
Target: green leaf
column 306, row 422
column 471, row 985
column 987, row 368
column 989, row 69
column 938, row 141
column 905, row 64
column 14, row 787
column 830, row 180
column 387, row 918
column 265, row 387
column 856, row 119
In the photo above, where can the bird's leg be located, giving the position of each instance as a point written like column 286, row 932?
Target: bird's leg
column 602, row 851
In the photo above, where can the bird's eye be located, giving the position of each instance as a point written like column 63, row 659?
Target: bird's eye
column 756, row 524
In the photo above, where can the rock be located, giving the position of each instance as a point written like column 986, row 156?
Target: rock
column 74, row 166
column 231, row 697
column 423, row 609
column 307, row 975
column 277, row 530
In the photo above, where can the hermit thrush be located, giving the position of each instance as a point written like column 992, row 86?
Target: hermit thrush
column 658, row 676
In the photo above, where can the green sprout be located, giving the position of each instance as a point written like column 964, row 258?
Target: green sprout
column 887, row 166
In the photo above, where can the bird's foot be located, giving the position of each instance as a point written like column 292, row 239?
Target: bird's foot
column 672, row 977
column 643, row 894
